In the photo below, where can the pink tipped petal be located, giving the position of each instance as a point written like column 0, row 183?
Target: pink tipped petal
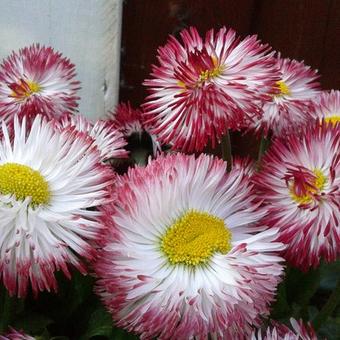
column 16, row 335
column 278, row 331
column 222, row 297
column 327, row 106
column 48, row 217
column 202, row 87
column 37, row 80
column 292, row 107
column 299, row 182
column 105, row 135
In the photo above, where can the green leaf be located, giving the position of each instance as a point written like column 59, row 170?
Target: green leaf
column 330, row 330
column 100, row 323
column 281, row 309
column 119, row 334
column 32, row 323
column 330, row 273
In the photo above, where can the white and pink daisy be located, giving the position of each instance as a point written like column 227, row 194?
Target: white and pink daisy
column 131, row 121
column 327, row 107
column 185, row 257
column 105, row 135
column 299, row 331
column 202, row 87
column 300, row 181
column 291, row 108
column 127, row 119
column 37, row 80
column 48, row 181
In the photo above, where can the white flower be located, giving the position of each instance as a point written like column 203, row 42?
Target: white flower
column 48, row 180
column 185, row 257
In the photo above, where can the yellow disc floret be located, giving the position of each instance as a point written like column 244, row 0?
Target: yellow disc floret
column 34, row 87
column 22, row 181
column 24, row 89
column 284, row 89
column 309, row 190
column 194, row 237
column 334, row 119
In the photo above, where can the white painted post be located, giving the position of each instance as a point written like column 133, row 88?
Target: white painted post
column 86, row 31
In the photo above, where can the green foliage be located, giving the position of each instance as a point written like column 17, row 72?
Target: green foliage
column 74, row 312
column 305, row 295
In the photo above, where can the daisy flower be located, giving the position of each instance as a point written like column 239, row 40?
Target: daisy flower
column 127, row 119
column 16, row 335
column 106, row 137
column 131, row 121
column 37, row 80
column 185, row 257
column 300, row 181
column 202, row 87
column 291, row 107
column 279, row 331
column 48, row 180
column 327, row 106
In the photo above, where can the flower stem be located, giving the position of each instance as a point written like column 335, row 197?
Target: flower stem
column 263, row 147
column 226, row 150
column 328, row 308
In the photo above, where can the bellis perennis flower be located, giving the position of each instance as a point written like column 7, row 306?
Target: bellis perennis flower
column 291, row 108
column 106, row 137
column 48, row 180
column 185, row 257
column 127, row 119
column 131, row 121
column 327, row 107
column 279, row 331
column 202, row 87
column 37, row 80
column 300, row 183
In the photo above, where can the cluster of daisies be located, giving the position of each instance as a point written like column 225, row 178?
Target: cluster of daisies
column 186, row 246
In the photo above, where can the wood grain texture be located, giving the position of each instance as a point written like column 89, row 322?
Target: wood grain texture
column 87, row 32
column 295, row 28
column 330, row 62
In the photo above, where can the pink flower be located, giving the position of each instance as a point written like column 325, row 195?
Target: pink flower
column 203, row 87
column 291, row 108
column 327, row 106
column 49, row 181
column 279, row 331
column 300, row 181
column 185, row 257
column 106, row 137
column 37, row 80
column 131, row 121
column 127, row 119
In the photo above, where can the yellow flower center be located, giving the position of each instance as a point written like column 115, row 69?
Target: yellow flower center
column 24, row 89
column 309, row 190
column 209, row 74
column 333, row 119
column 34, row 87
column 284, row 89
column 194, row 237
column 22, row 181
